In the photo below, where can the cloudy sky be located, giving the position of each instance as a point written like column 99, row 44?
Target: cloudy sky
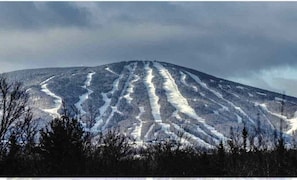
column 252, row 43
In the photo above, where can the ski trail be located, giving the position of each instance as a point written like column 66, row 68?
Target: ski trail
column 114, row 108
column 85, row 96
column 57, row 99
column 219, row 95
column 149, row 131
column 109, row 70
column 265, row 109
column 187, row 134
column 107, row 101
column 130, row 88
column 183, row 80
column 153, row 98
column 196, row 139
column 138, row 127
column 180, row 103
column 292, row 121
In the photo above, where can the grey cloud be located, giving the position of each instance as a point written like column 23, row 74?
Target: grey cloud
column 226, row 39
column 32, row 15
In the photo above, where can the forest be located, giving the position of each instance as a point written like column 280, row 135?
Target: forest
column 65, row 149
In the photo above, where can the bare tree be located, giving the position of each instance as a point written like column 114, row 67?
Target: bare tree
column 13, row 105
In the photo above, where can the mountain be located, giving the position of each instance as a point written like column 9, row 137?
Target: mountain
column 157, row 100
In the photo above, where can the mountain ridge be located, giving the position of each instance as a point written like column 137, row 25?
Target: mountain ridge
column 153, row 100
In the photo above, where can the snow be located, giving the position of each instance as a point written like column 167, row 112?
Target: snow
column 239, row 119
column 191, row 136
column 262, row 94
column 177, row 100
column 153, row 98
column 250, row 95
column 219, row 95
column 234, row 94
column 109, row 70
column 116, row 86
column 292, row 121
column 57, row 99
column 173, row 95
column 130, row 88
column 149, row 131
column 240, row 87
column 138, row 127
column 183, row 80
column 107, row 101
column 85, row 96
column 197, row 79
column 278, row 99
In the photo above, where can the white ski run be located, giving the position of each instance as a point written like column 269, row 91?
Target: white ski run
column 130, row 88
column 219, row 95
column 57, row 99
column 138, row 127
column 153, row 98
column 107, row 101
column 85, row 96
column 178, row 101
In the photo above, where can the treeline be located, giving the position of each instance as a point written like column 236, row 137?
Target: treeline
column 65, row 149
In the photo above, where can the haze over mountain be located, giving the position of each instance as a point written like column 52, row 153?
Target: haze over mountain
column 153, row 101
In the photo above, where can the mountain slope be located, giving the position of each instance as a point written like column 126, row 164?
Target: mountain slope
column 157, row 100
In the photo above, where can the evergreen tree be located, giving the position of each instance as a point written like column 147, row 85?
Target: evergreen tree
column 62, row 148
column 244, row 137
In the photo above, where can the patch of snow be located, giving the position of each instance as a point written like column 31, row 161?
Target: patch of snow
column 177, row 100
column 115, row 108
column 183, row 80
column 149, row 131
column 240, row 87
column 138, row 127
column 130, row 88
column 219, row 95
column 191, row 136
column 234, row 95
column 85, row 96
column 262, row 94
column 111, row 71
column 198, row 80
column 292, row 121
column 153, row 98
column 176, row 115
column 279, row 99
column 107, row 101
column 250, row 95
column 239, row 119
column 57, row 99
column 212, row 81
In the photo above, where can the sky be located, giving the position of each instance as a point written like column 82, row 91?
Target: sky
column 254, row 43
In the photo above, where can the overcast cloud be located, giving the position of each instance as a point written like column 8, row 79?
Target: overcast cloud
column 253, row 43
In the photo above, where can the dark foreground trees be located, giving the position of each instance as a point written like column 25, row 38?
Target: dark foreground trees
column 63, row 151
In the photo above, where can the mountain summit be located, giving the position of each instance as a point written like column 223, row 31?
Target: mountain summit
column 154, row 101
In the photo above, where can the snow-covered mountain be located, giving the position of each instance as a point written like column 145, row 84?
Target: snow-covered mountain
column 156, row 100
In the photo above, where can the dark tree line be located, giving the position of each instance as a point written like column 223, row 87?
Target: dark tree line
column 64, row 149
